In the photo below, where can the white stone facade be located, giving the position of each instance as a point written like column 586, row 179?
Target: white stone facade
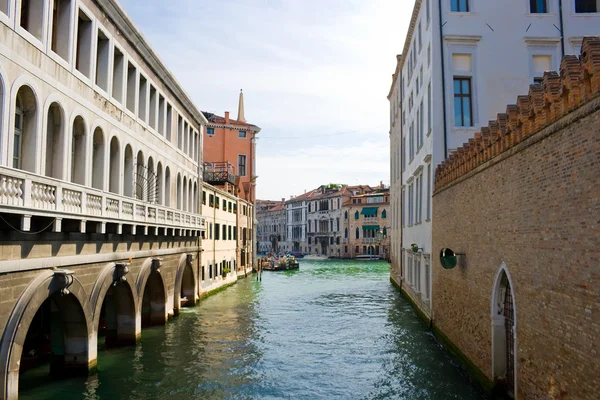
column 461, row 65
column 324, row 228
column 91, row 126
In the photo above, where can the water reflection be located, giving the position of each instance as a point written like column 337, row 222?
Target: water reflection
column 332, row 330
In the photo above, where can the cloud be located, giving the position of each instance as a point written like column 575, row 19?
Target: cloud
column 307, row 67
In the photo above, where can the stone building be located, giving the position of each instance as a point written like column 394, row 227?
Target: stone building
column 271, row 225
column 366, row 224
column 100, row 184
column 461, row 62
column 296, row 222
column 324, row 216
column 519, row 204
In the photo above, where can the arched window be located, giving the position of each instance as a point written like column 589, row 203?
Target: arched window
column 503, row 330
column 190, row 196
column 357, row 233
column 98, row 160
column 115, row 165
column 178, row 192
column 151, row 185
column 345, row 214
column 346, row 233
column 167, row 187
column 54, row 142
column 78, row 151
column 384, row 231
column 356, row 215
column 195, row 197
column 184, row 205
column 141, row 179
column 128, row 172
column 160, row 183
column 25, row 128
column 384, row 214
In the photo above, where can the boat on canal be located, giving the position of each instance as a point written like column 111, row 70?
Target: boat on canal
column 368, row 257
column 285, row 263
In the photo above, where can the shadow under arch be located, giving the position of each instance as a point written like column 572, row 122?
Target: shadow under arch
column 114, row 304
column 71, row 303
column 152, row 294
column 185, row 289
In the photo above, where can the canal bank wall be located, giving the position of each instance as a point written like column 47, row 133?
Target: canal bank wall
column 518, row 204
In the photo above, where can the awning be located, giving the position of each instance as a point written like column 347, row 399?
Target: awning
column 370, row 227
column 369, row 211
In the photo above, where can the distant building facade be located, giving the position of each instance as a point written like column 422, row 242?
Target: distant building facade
column 366, row 221
column 271, row 232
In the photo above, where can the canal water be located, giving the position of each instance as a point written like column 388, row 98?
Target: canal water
column 332, row 330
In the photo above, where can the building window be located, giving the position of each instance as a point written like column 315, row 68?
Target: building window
column 210, row 131
column 411, row 141
column 411, row 200
column 356, row 215
column 428, row 11
column 242, row 134
column 32, row 17
column 538, row 6
column 83, row 46
column 357, row 233
column 462, row 102
column 586, row 6
column 242, row 165
column 384, row 214
column 429, row 116
column 217, row 231
column 61, row 24
column 459, row 5
column 540, row 64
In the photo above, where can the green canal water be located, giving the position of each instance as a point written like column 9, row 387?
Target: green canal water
column 332, row 330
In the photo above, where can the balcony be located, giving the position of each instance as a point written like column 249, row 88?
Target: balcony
column 219, row 173
column 33, row 195
column 370, row 219
column 370, row 240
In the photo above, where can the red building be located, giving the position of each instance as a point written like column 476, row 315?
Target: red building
column 229, row 153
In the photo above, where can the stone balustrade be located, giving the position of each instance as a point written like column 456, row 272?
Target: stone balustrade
column 33, row 195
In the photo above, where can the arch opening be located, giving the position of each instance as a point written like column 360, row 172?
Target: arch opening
column 78, row 151
column 115, row 170
column 504, row 334
column 54, row 142
column 153, row 301
column 140, row 178
column 116, row 326
column 25, row 130
column 98, row 159
column 187, row 296
column 168, row 187
column 56, row 343
column 128, row 172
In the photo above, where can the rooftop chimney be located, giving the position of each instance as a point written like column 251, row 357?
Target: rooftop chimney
column 227, row 117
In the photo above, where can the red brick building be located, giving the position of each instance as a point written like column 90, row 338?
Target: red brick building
column 521, row 202
column 230, row 151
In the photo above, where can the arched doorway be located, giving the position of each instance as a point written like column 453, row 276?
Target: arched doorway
column 49, row 328
column 151, row 289
column 115, row 165
column 504, row 332
column 185, row 284
column 25, row 130
column 78, row 151
column 98, row 159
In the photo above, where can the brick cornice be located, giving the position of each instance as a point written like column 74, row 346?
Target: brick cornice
column 559, row 98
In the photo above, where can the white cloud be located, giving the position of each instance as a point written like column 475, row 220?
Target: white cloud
column 307, row 67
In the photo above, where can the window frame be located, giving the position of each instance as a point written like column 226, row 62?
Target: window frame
column 533, row 3
column 586, row 12
column 461, row 79
column 245, row 164
column 458, row 6
column 242, row 134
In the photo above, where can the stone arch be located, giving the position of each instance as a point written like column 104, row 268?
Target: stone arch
column 112, row 281
column 185, row 284
column 152, row 294
column 98, row 157
column 78, row 156
column 152, row 188
column 184, row 201
column 160, row 183
column 128, row 172
column 168, row 189
column 114, row 162
column 178, row 191
column 72, row 303
column 504, row 323
column 25, row 120
column 54, row 121
column 141, row 179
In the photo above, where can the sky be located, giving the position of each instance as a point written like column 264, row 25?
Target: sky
column 315, row 76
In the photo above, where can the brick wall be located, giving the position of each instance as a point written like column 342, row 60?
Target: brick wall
column 526, row 193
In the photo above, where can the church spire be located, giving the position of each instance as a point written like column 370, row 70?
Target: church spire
column 241, row 117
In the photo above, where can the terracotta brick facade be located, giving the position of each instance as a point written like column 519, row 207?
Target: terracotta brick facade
column 524, row 197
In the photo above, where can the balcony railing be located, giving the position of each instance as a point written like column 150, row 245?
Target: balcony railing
column 371, row 219
column 370, row 240
column 219, row 173
column 30, row 195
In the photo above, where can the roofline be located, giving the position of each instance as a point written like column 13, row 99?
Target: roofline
column 407, row 40
column 115, row 12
